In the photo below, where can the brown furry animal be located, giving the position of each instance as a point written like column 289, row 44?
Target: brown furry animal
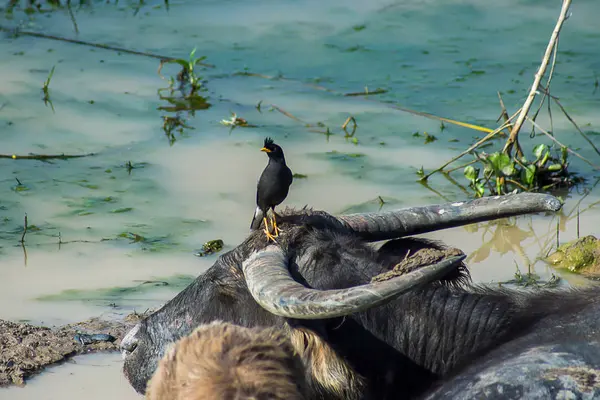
column 222, row 361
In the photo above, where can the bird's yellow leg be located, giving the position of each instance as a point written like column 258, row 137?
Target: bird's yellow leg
column 268, row 231
column 275, row 228
column 266, row 222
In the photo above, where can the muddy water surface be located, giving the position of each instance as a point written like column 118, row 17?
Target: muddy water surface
column 116, row 231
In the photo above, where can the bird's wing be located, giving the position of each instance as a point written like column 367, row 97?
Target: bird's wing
column 262, row 180
column 290, row 176
column 257, row 219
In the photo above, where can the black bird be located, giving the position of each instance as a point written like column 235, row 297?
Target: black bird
column 272, row 188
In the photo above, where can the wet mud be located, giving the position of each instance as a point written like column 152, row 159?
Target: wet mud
column 26, row 350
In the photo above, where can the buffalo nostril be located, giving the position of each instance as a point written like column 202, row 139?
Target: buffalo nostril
column 129, row 346
column 130, row 342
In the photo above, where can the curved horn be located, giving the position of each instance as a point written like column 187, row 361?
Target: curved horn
column 272, row 286
column 416, row 220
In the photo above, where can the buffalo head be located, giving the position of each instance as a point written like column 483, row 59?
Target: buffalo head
column 320, row 270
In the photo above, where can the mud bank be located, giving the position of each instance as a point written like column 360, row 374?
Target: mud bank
column 26, row 350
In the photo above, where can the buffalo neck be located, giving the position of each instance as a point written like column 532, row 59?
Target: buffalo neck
column 439, row 327
column 421, row 337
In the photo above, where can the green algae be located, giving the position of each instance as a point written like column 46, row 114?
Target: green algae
column 580, row 256
column 117, row 295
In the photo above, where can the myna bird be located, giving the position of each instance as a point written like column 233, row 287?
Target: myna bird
column 272, row 188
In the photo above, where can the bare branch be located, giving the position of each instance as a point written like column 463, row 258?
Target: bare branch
column 538, row 77
column 562, row 145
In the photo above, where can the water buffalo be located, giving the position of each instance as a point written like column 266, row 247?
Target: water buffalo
column 225, row 361
column 424, row 333
column 223, row 293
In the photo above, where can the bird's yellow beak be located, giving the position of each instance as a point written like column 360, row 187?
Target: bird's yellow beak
column 265, row 150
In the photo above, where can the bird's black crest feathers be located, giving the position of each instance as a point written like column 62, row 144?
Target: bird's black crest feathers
column 268, row 141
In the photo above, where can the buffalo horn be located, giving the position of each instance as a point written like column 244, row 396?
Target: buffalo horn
column 272, row 286
column 416, row 220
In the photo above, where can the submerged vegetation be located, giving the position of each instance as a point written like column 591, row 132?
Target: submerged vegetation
column 531, row 279
column 210, row 247
column 183, row 95
column 45, row 89
column 119, row 296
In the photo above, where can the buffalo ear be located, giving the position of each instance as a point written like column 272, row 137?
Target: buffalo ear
column 327, row 373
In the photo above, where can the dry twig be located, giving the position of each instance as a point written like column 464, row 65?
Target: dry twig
column 289, row 115
column 503, row 113
column 575, row 124
column 24, row 231
column 442, row 119
column 18, row 32
column 72, row 17
column 366, row 92
column 473, row 147
column 538, row 77
column 547, row 92
column 45, row 156
column 282, row 78
column 354, row 126
column 576, row 154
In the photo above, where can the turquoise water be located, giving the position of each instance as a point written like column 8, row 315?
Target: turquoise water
column 448, row 58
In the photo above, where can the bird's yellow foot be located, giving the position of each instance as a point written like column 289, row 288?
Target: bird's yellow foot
column 268, row 231
column 270, row 236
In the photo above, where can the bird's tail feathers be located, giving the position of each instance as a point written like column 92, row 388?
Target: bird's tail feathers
column 257, row 219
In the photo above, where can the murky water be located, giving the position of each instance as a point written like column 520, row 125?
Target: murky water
column 94, row 377
column 87, row 215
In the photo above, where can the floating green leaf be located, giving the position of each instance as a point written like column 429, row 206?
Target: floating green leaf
column 528, row 175
column 539, row 151
column 429, row 138
column 555, row 167
column 480, row 188
column 471, row 173
column 509, row 170
column 563, row 154
column 121, row 210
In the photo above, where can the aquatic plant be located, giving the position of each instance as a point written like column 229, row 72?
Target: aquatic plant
column 45, row 89
column 509, row 169
column 35, row 6
column 182, row 94
column 531, row 279
column 236, row 121
column 210, row 247
column 173, row 124
column 188, row 73
column 503, row 174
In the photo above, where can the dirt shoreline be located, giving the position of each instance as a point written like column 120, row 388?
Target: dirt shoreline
column 26, row 350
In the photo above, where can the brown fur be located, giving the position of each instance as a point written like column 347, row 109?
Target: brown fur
column 228, row 362
column 328, row 375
